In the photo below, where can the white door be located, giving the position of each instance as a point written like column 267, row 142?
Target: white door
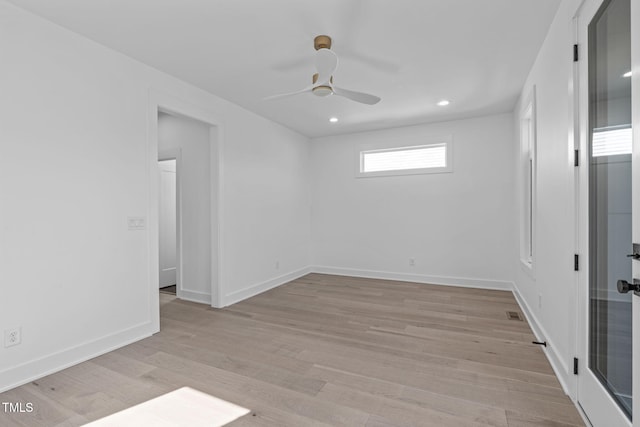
column 635, row 100
column 167, row 222
column 605, row 326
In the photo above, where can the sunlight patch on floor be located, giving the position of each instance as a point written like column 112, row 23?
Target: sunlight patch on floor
column 182, row 407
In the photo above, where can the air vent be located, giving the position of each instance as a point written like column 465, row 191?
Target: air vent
column 514, row 315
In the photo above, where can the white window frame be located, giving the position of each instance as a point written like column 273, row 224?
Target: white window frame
column 528, row 186
column 362, row 149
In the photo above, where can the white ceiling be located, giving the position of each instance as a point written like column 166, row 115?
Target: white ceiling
column 411, row 53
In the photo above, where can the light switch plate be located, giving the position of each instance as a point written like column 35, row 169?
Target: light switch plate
column 136, row 223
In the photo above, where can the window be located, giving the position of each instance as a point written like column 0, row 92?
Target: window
column 611, row 141
column 528, row 181
column 418, row 159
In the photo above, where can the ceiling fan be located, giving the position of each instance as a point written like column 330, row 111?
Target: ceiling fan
column 322, row 81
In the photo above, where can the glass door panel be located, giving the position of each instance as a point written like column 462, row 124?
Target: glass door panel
column 610, row 214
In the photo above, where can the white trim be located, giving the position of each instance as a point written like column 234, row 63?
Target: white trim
column 448, row 147
column 581, row 189
column 159, row 101
column 404, row 144
column 560, row 368
column 195, row 296
column 573, row 143
column 259, row 288
column 29, row 371
column 587, row 421
column 527, row 268
column 217, row 281
column 153, row 216
column 502, row 285
column 528, row 179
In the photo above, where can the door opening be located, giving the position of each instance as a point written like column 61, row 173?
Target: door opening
column 193, row 135
column 188, row 229
column 168, row 259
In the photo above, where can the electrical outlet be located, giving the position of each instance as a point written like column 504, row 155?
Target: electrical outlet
column 277, row 265
column 539, row 301
column 412, row 262
column 12, row 337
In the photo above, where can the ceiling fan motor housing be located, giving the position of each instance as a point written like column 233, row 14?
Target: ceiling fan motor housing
column 322, row 90
column 322, row 42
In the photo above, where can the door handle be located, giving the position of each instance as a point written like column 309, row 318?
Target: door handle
column 636, row 252
column 624, row 286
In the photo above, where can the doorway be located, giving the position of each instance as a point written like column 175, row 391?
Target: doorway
column 189, row 142
column 209, row 292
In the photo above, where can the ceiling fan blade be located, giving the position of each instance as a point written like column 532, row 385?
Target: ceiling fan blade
column 378, row 63
column 326, row 64
column 285, row 95
column 292, row 64
column 363, row 98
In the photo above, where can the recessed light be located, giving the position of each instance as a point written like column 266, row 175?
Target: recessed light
column 333, row 119
column 627, row 74
column 443, row 103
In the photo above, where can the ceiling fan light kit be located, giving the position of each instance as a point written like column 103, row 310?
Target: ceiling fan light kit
column 322, row 81
column 322, row 90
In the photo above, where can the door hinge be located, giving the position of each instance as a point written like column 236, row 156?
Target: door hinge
column 575, row 53
column 576, row 262
column 576, row 157
column 575, row 366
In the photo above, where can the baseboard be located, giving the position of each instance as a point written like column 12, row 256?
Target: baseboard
column 587, row 421
column 32, row 370
column 560, row 368
column 195, row 296
column 465, row 282
column 251, row 291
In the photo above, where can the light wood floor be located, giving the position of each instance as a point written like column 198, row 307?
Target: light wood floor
column 326, row 350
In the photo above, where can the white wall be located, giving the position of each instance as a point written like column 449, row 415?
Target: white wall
column 191, row 137
column 549, row 293
column 459, row 227
column 75, row 164
column 267, row 208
